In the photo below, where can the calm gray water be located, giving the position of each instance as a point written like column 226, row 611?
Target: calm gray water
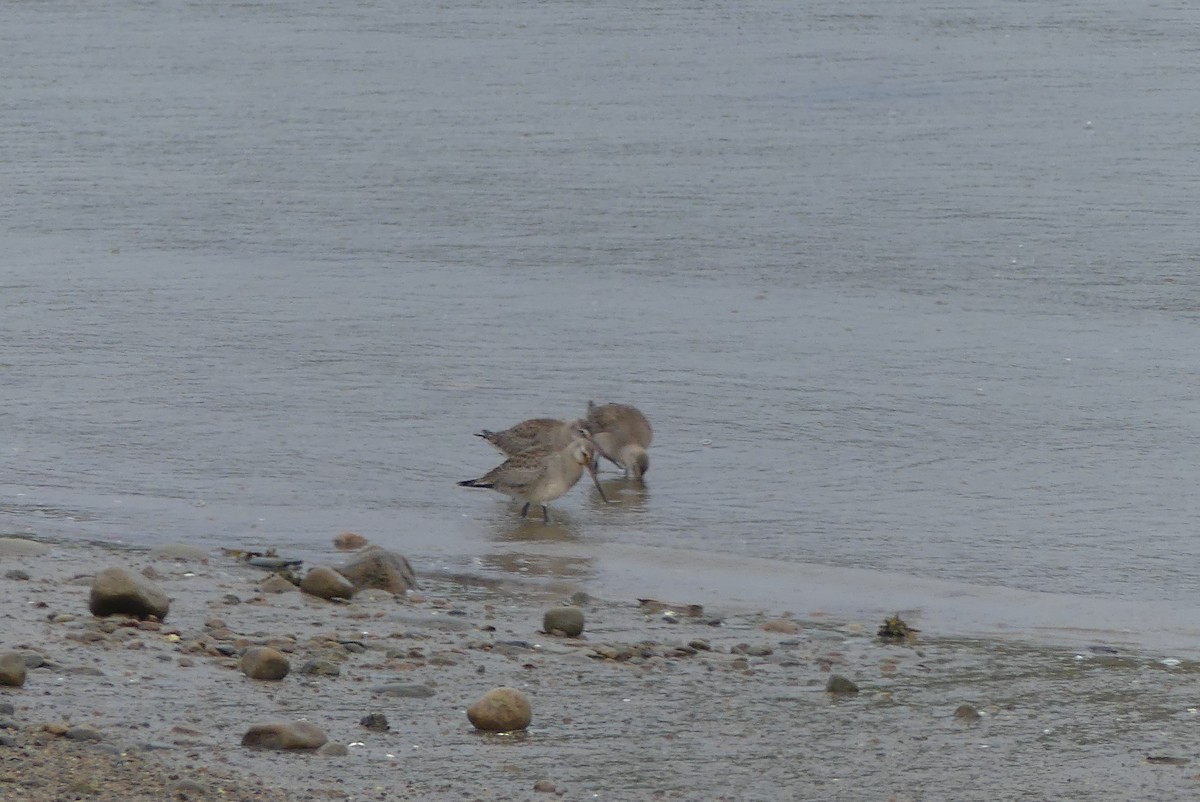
column 908, row 290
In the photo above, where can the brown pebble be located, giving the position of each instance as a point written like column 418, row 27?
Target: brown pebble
column 544, row 787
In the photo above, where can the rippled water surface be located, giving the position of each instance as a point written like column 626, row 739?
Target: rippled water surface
column 909, row 293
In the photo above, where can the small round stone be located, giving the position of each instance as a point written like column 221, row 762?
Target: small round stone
column 567, row 620
column 501, row 710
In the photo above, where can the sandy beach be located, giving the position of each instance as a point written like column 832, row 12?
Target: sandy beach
column 648, row 703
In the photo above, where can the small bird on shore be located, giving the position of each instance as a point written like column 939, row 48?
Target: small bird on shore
column 541, row 474
column 533, row 433
column 621, row 434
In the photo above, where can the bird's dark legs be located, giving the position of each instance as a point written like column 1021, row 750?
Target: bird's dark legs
column 545, row 515
column 525, row 509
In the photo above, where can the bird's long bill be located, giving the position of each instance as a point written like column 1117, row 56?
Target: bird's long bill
column 591, row 468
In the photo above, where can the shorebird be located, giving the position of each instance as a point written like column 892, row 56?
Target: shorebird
column 542, row 474
column 621, row 434
column 533, row 433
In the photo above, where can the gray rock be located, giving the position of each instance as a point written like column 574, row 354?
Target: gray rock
column 284, row 736
column 20, row 547
column 117, row 591
column 567, row 620
column 375, row 567
column 8, row 740
column 12, row 669
column 326, row 583
column 333, row 750
column 263, row 662
column 401, row 691
column 16, row 574
column 839, row 685
column 6, row 709
column 501, row 710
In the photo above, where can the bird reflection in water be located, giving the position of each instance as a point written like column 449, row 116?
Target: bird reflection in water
column 528, row 561
column 622, row 493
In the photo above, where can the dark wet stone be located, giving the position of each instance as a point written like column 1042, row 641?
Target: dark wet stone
column 321, row 668
column 402, row 691
column 6, row 709
column 326, row 583
column 375, row 567
column 966, row 713
column 16, row 574
column 284, row 736
column 376, row 722
column 840, row 685
column 12, row 669
column 567, row 620
column 263, row 662
column 501, row 710
column 116, row 591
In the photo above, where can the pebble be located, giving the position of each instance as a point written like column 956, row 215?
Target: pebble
column 276, row 584
column 966, row 712
column 376, row 722
column 544, row 787
column 501, row 709
column 20, row 547
column 82, row 733
column 12, row 669
column 326, row 583
column 839, row 685
column 16, row 574
column 784, row 625
column 333, row 750
column 263, row 662
column 567, row 620
column 284, row 736
column 117, row 591
column 321, row 668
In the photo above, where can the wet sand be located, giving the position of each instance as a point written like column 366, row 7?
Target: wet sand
column 730, row 704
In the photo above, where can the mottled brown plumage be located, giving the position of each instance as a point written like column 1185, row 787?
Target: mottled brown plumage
column 541, row 474
column 621, row 434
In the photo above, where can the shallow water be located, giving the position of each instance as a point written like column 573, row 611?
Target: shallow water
column 908, row 293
